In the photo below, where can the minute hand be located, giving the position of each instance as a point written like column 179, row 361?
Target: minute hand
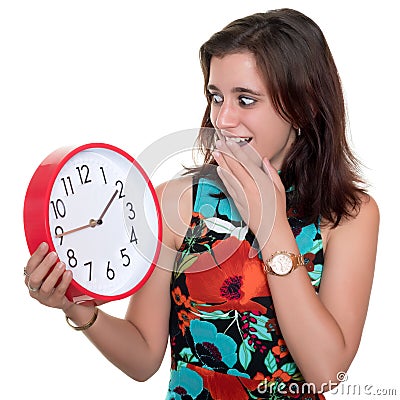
column 100, row 220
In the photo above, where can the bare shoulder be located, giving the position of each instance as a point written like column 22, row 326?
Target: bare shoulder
column 175, row 198
column 180, row 184
column 366, row 217
column 368, row 208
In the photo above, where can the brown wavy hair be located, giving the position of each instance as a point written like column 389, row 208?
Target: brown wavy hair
column 305, row 88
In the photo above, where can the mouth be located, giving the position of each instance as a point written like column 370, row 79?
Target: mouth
column 241, row 141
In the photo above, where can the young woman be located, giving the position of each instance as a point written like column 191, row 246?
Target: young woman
column 269, row 247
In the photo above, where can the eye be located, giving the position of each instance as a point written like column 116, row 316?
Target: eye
column 216, row 98
column 246, row 101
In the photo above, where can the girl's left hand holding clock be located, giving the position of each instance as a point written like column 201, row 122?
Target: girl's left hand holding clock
column 47, row 278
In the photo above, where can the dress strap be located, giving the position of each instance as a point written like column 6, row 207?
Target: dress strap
column 195, row 185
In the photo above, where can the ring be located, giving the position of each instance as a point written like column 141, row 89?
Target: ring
column 33, row 289
column 26, row 273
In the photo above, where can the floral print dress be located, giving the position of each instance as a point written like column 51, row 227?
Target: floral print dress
column 224, row 335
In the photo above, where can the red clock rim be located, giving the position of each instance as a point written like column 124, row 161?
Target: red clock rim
column 59, row 158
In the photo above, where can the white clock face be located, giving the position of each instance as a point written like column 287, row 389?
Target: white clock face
column 98, row 230
column 281, row 264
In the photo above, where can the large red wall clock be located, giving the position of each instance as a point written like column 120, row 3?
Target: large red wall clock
column 96, row 207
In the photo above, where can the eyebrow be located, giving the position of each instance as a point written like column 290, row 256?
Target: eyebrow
column 236, row 90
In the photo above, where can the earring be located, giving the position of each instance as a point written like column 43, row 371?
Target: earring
column 299, row 132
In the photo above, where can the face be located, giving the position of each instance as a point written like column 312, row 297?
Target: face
column 241, row 107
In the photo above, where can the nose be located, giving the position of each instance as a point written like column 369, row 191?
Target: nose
column 227, row 116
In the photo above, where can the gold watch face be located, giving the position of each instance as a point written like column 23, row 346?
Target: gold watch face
column 281, row 264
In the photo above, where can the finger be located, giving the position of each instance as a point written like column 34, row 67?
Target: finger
column 261, row 184
column 61, row 288
column 248, row 163
column 36, row 257
column 242, row 201
column 273, row 174
column 245, row 153
column 221, row 154
column 227, row 179
column 236, row 191
column 36, row 278
column 50, row 282
column 247, row 157
column 229, row 162
column 221, row 160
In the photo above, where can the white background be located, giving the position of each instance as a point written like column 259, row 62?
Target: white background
column 127, row 73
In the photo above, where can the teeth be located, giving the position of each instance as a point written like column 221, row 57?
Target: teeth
column 238, row 139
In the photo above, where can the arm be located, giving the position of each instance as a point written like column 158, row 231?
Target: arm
column 136, row 344
column 321, row 331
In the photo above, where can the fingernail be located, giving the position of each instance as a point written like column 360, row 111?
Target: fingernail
column 220, row 170
column 60, row 265
column 43, row 246
column 218, row 144
column 52, row 255
column 216, row 154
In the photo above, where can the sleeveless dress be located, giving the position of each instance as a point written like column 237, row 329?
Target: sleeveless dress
column 224, row 336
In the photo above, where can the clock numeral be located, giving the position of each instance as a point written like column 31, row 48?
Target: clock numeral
column 67, row 185
column 121, row 188
column 133, row 239
column 72, row 261
column 110, row 272
column 104, row 175
column 83, row 172
column 125, row 257
column 59, row 208
column 89, row 264
column 132, row 216
column 131, row 210
column 59, row 231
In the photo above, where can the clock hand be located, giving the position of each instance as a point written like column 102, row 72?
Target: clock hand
column 92, row 223
column 100, row 220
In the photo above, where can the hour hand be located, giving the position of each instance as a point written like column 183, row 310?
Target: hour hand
column 92, row 223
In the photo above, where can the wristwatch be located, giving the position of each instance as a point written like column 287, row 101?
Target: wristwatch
column 283, row 263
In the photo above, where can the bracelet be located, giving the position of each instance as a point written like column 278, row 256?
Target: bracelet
column 85, row 326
